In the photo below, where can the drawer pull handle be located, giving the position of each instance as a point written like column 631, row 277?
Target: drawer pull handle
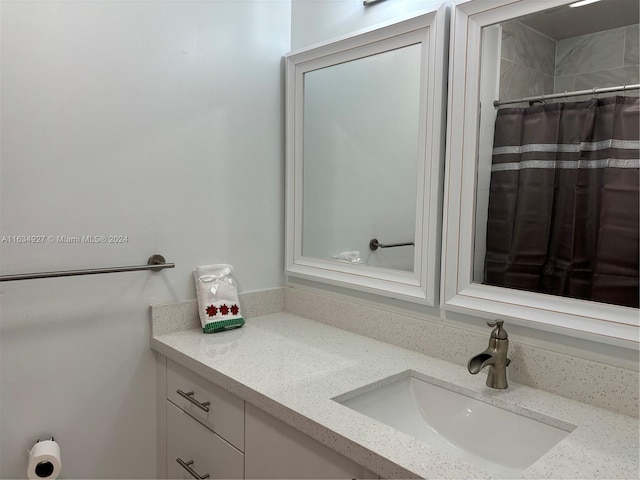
column 189, row 396
column 192, row 472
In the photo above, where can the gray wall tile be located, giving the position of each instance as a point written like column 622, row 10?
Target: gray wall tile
column 528, row 48
column 590, row 53
column 564, row 84
column 508, row 41
column 602, row 59
column 608, row 78
column 518, row 81
column 534, row 50
column 631, row 47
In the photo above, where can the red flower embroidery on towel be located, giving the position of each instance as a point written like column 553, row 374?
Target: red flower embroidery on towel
column 212, row 311
column 235, row 309
column 224, row 310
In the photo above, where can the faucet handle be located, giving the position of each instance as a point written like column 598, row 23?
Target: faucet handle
column 498, row 332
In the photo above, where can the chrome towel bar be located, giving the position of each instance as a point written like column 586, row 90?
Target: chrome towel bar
column 374, row 244
column 155, row 263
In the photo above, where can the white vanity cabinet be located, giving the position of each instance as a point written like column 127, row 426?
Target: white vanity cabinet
column 224, row 412
column 276, row 450
column 193, row 451
column 234, row 439
column 204, row 425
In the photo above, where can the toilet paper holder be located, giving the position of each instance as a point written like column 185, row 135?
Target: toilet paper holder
column 44, row 468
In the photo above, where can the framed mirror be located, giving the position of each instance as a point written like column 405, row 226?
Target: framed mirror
column 541, row 217
column 364, row 155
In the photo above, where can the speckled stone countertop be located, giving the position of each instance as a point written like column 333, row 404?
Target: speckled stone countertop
column 292, row 367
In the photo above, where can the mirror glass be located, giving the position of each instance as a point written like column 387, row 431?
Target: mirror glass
column 365, row 125
column 360, row 154
column 557, row 178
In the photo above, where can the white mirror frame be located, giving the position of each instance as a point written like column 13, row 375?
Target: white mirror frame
column 604, row 323
column 422, row 285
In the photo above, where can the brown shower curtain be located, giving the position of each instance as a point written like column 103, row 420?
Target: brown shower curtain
column 564, row 203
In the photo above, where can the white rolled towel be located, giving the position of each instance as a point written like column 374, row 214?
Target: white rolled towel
column 217, row 295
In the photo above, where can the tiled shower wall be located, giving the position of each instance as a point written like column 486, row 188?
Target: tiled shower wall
column 602, row 59
column 527, row 64
column 532, row 63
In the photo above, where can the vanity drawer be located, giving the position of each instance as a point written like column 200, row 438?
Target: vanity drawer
column 189, row 441
column 224, row 414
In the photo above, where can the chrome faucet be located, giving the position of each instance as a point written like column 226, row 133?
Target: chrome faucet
column 494, row 357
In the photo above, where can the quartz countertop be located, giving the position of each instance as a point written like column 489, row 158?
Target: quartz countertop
column 292, row 368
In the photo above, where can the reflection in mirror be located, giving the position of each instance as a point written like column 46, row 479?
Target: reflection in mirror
column 364, row 157
column 361, row 121
column 558, row 179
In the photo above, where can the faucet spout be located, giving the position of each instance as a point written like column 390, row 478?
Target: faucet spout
column 494, row 357
column 480, row 361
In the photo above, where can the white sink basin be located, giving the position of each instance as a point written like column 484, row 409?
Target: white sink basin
column 494, row 439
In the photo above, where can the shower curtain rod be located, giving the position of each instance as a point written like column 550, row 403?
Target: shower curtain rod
column 551, row 96
column 155, row 263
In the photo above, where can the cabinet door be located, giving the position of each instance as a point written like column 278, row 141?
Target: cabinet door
column 273, row 449
column 224, row 413
column 189, row 441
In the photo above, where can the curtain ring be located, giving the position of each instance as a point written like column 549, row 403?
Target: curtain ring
column 624, row 90
column 594, row 93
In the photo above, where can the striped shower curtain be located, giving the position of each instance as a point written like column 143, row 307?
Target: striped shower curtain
column 564, row 204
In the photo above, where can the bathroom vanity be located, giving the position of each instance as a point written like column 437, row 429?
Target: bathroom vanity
column 279, row 391
column 222, row 436
column 289, row 397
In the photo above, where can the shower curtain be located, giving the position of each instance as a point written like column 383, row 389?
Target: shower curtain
column 564, row 204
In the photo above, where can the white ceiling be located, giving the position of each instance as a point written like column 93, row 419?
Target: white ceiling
column 564, row 22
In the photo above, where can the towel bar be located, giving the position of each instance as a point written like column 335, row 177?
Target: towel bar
column 374, row 244
column 155, row 263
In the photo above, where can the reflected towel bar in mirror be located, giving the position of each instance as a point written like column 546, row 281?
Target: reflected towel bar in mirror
column 155, row 263
column 374, row 244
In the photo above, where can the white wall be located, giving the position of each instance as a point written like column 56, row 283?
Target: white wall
column 314, row 21
column 161, row 121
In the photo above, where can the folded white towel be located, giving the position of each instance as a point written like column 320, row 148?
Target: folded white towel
column 352, row 256
column 217, row 295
